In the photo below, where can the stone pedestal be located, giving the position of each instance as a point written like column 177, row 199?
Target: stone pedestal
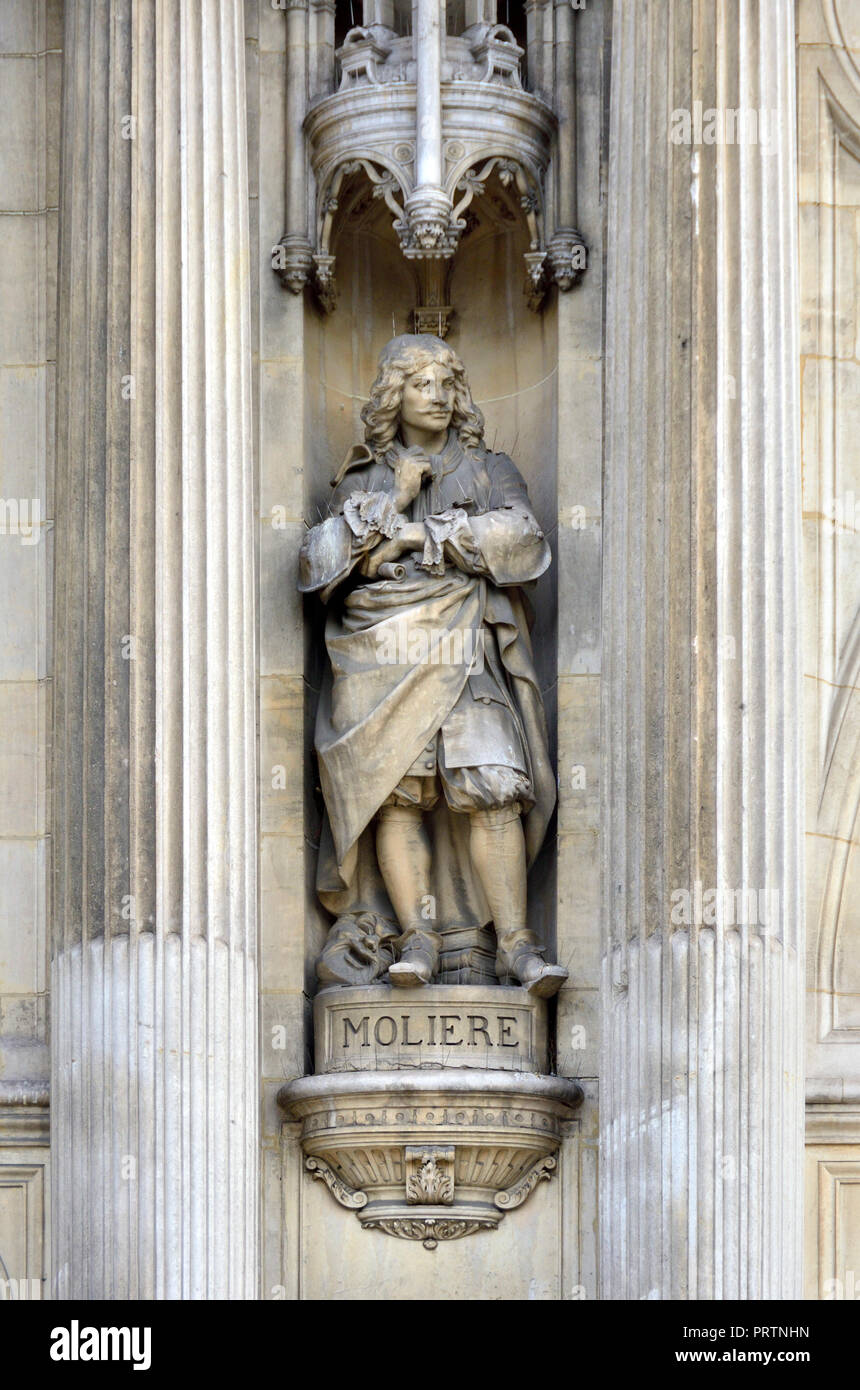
column 428, row 1116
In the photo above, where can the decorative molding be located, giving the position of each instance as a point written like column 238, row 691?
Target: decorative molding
column 429, row 1175
column 347, row 1196
column 370, row 126
column 837, row 1241
column 833, row 1090
column 429, row 1230
column 23, row 1225
column 833, row 1124
column 516, row 1195
column 14, row 1093
column 396, row 1147
column 25, row 1117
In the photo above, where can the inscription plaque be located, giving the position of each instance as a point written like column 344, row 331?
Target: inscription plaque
column 380, row 1029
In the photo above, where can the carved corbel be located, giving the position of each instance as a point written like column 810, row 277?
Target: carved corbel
column 293, row 260
column 536, row 279
column 418, row 1151
column 514, row 1196
column 568, row 257
column 347, row 1196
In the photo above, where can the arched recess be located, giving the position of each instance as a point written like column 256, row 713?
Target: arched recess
column 511, row 356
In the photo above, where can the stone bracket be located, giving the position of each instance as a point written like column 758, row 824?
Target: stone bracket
column 432, row 1155
column 516, row 1195
column 347, row 1196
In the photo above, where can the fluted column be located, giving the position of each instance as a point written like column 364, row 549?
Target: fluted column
column 700, row 1099
column 154, row 990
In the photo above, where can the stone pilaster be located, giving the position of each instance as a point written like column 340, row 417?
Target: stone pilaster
column 700, row 1084
column 154, row 989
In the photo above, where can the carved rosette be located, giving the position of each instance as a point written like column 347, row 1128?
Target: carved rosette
column 431, row 1155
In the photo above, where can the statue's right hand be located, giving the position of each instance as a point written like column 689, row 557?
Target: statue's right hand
column 410, row 471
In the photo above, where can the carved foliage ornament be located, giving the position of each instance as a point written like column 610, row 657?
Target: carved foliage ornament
column 430, row 1230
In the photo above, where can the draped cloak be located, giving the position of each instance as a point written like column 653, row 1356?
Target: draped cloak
column 381, row 707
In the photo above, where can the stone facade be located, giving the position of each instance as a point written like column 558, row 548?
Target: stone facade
column 197, row 278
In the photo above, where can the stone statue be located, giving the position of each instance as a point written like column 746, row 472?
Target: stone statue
column 431, row 734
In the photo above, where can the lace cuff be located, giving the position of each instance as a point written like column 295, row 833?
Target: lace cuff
column 372, row 513
column 443, row 527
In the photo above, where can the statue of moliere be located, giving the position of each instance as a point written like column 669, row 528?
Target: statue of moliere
column 430, row 734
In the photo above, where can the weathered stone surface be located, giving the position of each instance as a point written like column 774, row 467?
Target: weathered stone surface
column 155, row 1076
column 431, row 1156
column 382, row 1029
column 701, row 1073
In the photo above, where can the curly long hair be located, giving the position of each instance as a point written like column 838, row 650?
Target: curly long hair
column 399, row 358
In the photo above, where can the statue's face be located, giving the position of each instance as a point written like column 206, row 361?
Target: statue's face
column 428, row 398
